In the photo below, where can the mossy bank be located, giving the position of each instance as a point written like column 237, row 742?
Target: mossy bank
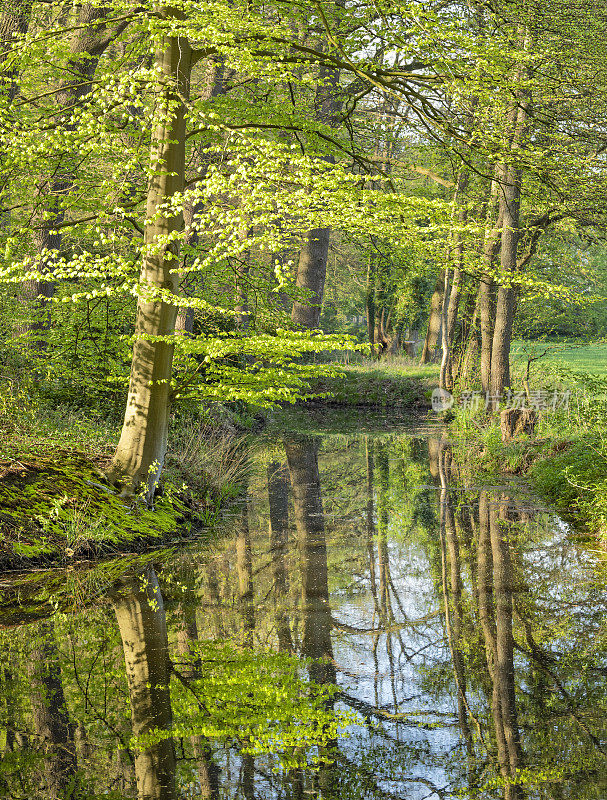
column 58, row 507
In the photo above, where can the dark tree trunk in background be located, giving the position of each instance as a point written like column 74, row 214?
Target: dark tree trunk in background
column 434, row 321
column 312, row 267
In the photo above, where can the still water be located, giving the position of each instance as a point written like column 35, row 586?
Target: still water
column 368, row 624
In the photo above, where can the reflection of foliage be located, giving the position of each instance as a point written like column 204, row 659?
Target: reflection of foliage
column 259, row 700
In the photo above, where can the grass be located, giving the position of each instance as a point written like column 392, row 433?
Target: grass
column 395, row 383
column 580, row 357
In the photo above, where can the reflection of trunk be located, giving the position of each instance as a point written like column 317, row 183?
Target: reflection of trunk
column 187, row 635
column 54, row 733
column 383, row 558
column 504, row 663
column 495, row 586
column 302, row 457
column 278, row 495
column 141, row 619
column 452, row 594
column 244, row 567
column 371, row 520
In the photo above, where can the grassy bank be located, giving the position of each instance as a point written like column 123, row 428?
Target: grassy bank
column 565, row 461
column 393, row 383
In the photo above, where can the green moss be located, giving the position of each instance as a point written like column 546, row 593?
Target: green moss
column 60, row 505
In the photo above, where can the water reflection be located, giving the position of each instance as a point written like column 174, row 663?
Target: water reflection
column 463, row 628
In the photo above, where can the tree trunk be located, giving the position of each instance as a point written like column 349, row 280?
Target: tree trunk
column 141, row 451
column 89, row 41
column 311, row 274
column 370, row 300
column 506, row 295
column 434, row 321
column 486, row 291
column 141, row 619
column 510, row 202
column 312, row 267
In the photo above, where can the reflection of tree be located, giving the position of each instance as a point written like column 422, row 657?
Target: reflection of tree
column 451, row 580
column 302, row 458
column 278, row 497
column 244, row 568
column 495, row 610
column 54, row 734
column 187, row 636
column 139, row 610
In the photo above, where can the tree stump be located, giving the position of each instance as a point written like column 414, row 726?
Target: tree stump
column 514, row 421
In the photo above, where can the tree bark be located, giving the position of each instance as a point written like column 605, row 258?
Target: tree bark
column 312, row 267
column 142, row 447
column 434, row 321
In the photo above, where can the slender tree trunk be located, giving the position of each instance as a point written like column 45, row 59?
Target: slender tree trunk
column 312, row 267
column 141, row 620
column 510, row 202
column 506, row 295
column 486, row 291
column 370, row 300
column 434, row 321
column 89, row 41
column 141, row 451
column 213, row 86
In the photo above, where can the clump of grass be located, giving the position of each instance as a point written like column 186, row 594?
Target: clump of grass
column 211, row 460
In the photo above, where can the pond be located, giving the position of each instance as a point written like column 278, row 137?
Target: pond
column 370, row 623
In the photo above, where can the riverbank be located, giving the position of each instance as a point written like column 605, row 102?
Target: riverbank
column 56, row 506
column 393, row 383
column 564, row 463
